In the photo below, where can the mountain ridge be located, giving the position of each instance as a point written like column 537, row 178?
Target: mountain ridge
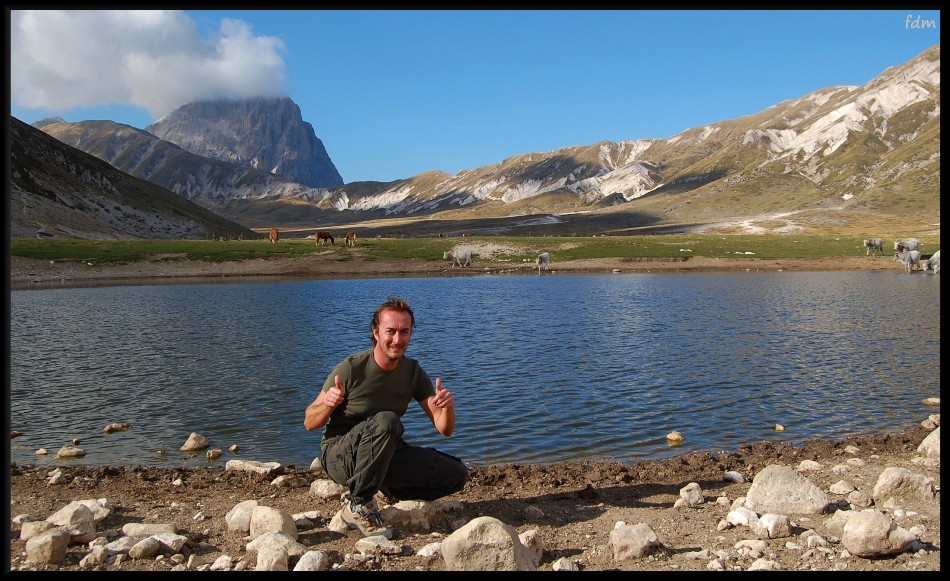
column 840, row 151
column 267, row 134
column 57, row 191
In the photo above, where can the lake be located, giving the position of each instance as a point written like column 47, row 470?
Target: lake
column 544, row 368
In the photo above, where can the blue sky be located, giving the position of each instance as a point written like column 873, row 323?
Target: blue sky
column 396, row 93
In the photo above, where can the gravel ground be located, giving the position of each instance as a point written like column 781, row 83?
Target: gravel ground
column 575, row 506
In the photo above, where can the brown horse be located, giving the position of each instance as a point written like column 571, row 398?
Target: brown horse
column 273, row 236
column 351, row 239
column 324, row 236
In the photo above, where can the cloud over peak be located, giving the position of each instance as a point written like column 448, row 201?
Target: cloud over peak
column 156, row 59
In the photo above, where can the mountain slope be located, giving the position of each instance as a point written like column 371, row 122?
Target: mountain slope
column 835, row 155
column 58, row 191
column 264, row 134
column 209, row 182
column 844, row 156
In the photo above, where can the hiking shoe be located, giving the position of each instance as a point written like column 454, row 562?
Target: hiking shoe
column 365, row 519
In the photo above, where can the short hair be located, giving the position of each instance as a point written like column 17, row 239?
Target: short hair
column 392, row 304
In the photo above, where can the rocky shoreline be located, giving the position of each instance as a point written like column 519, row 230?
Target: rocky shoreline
column 870, row 503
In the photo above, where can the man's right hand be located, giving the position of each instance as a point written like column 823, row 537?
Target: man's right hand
column 319, row 412
column 335, row 394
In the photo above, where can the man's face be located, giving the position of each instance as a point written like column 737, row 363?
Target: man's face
column 392, row 337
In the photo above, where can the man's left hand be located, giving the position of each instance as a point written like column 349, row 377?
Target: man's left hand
column 443, row 398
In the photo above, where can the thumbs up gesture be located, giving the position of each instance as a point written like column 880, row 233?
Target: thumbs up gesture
column 443, row 398
column 335, row 394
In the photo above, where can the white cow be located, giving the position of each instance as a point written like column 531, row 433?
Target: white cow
column 933, row 263
column 543, row 259
column 874, row 244
column 909, row 258
column 461, row 257
column 906, row 244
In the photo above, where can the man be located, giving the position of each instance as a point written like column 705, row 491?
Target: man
column 361, row 403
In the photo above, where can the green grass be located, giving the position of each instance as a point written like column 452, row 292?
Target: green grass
column 765, row 246
column 113, row 251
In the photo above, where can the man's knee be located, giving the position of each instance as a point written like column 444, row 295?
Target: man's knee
column 461, row 477
column 454, row 474
column 387, row 422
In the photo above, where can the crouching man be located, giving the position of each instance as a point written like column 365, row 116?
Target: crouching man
column 361, row 405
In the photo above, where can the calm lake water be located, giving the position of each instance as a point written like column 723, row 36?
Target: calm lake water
column 544, row 368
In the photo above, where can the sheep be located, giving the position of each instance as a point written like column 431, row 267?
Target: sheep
column 458, row 256
column 874, row 244
column 543, row 259
column 933, row 263
column 909, row 258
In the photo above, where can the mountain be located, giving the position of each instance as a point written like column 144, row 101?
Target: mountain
column 267, row 134
column 841, row 157
column 206, row 181
column 844, row 150
column 57, row 191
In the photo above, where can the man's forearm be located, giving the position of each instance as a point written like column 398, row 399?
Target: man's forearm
column 445, row 421
column 317, row 414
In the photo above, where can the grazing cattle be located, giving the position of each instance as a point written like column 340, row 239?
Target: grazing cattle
column 933, row 263
column 323, row 237
column 910, row 258
column 351, row 239
column 874, row 244
column 461, row 257
column 273, row 236
column 543, row 259
column 906, row 244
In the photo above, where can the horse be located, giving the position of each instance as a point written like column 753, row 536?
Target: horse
column 324, row 236
column 351, row 239
column 273, row 236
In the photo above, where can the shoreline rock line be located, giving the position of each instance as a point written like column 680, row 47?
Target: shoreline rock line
column 866, row 503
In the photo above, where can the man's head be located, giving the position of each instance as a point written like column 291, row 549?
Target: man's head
column 394, row 310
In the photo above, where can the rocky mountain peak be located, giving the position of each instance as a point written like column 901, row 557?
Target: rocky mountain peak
column 268, row 134
column 48, row 121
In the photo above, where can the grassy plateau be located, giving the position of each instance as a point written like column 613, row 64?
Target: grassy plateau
column 511, row 248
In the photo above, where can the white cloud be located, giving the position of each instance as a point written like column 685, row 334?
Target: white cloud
column 154, row 59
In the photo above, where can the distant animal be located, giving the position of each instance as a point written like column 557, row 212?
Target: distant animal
column 910, row 258
column 461, row 257
column 543, row 259
column 906, row 244
column 874, row 244
column 273, row 236
column 351, row 239
column 933, row 263
column 322, row 237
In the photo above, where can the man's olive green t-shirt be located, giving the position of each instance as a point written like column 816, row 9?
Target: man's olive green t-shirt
column 368, row 389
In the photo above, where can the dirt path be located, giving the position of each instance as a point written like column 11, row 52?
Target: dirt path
column 29, row 272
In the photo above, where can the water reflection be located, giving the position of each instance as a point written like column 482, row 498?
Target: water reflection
column 544, row 369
